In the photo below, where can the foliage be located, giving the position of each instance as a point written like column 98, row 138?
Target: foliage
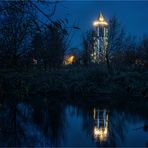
column 25, row 39
column 16, row 25
column 88, row 47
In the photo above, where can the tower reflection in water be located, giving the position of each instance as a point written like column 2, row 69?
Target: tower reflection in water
column 100, row 130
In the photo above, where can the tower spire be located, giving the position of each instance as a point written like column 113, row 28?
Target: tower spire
column 101, row 14
column 101, row 18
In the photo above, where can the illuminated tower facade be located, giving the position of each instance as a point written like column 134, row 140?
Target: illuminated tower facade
column 100, row 40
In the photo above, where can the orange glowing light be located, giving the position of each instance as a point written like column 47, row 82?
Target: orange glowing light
column 69, row 59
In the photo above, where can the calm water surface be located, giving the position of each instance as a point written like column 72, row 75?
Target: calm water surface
column 44, row 124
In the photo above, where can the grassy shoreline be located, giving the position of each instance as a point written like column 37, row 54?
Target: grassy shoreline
column 88, row 82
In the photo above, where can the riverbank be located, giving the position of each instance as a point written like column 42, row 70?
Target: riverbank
column 94, row 84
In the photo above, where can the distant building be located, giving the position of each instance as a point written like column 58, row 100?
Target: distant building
column 100, row 40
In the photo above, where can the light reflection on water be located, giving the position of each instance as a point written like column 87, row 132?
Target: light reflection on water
column 101, row 125
column 61, row 125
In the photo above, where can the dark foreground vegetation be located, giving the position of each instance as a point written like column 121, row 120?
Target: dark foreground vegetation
column 90, row 82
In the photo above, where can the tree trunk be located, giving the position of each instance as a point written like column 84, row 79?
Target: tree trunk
column 108, row 64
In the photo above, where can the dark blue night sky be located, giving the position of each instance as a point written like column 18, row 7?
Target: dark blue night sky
column 133, row 15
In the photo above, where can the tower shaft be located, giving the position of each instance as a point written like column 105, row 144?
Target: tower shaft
column 100, row 40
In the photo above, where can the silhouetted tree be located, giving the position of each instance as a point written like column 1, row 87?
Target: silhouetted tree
column 16, row 25
column 55, row 45
column 38, row 47
column 125, row 56
column 116, row 36
column 88, row 47
column 142, row 52
column 19, row 22
column 49, row 46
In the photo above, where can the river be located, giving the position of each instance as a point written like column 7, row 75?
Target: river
column 60, row 124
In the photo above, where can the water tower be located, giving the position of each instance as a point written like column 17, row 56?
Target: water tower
column 100, row 40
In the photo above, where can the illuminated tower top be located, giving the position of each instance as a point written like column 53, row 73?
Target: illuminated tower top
column 100, row 21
